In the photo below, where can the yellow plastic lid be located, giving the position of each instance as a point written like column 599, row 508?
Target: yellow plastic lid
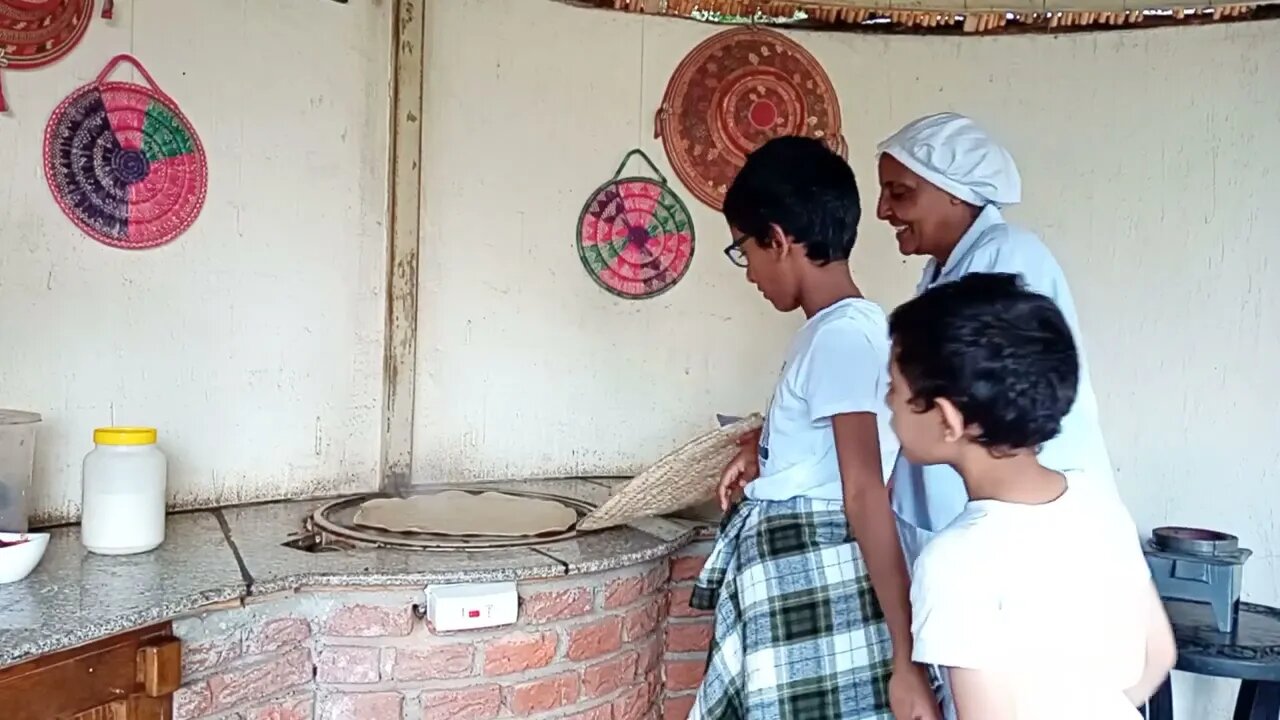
column 124, row 436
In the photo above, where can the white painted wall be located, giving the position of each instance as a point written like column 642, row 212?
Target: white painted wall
column 254, row 341
column 1149, row 164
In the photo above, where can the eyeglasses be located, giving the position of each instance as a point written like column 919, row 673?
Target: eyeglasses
column 735, row 252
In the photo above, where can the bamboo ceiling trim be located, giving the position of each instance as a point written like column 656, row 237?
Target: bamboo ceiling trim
column 950, row 16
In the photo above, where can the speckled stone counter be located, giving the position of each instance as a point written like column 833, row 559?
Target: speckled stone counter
column 75, row 597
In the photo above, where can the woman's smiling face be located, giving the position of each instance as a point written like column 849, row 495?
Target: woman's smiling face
column 925, row 219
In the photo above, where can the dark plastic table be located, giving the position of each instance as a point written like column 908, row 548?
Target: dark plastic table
column 1250, row 654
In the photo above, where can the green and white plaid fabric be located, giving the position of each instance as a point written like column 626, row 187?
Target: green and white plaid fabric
column 799, row 634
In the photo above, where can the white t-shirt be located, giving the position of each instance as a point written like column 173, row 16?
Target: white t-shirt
column 1051, row 598
column 838, row 363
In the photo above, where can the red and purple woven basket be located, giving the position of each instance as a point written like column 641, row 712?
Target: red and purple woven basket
column 124, row 163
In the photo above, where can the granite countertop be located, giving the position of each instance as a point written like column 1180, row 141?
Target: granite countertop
column 74, row 597
column 208, row 557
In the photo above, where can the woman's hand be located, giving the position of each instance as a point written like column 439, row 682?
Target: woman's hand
column 742, row 469
column 910, row 694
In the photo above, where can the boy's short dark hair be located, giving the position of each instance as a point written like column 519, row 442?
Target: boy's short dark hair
column 1003, row 355
column 800, row 185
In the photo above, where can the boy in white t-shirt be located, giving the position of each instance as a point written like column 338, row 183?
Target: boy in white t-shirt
column 804, row 565
column 1036, row 600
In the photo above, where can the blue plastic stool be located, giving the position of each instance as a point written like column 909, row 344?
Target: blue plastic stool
column 1251, row 654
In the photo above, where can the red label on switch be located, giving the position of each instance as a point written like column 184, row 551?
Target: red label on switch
column 473, row 613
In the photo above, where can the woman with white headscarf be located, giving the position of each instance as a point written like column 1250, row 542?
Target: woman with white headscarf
column 943, row 181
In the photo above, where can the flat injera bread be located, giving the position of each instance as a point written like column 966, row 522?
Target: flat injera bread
column 454, row 512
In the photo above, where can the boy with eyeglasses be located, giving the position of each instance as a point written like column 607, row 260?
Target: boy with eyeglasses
column 807, row 578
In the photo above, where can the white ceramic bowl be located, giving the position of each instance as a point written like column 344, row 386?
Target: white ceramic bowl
column 17, row 561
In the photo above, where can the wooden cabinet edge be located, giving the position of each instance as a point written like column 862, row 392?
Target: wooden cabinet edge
column 160, row 667
column 129, row 676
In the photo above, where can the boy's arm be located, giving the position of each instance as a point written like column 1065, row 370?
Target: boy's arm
column 980, row 696
column 866, row 504
column 1162, row 651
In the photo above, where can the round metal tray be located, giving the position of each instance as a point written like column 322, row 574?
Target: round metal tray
column 1194, row 541
column 336, row 521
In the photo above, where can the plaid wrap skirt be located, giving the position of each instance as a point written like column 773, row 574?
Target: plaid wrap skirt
column 798, row 633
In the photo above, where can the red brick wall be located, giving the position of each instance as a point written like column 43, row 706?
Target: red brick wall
column 621, row 645
column 686, row 636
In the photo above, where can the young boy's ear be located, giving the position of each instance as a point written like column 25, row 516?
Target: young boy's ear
column 953, row 424
column 778, row 239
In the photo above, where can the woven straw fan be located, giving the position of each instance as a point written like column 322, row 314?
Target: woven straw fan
column 682, row 479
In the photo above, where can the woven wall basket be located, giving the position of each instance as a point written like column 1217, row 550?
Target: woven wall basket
column 36, row 33
column 124, row 163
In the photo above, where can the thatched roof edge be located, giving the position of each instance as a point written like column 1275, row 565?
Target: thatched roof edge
column 948, row 16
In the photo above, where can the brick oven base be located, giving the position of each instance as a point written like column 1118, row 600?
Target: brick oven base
column 616, row 645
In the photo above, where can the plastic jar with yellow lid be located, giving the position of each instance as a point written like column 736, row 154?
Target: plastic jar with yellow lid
column 123, row 492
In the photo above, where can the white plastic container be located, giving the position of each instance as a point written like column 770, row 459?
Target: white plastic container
column 17, row 465
column 122, row 501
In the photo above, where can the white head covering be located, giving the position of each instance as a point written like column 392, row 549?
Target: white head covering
column 952, row 153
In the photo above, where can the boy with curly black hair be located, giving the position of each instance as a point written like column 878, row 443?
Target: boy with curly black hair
column 1036, row 600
